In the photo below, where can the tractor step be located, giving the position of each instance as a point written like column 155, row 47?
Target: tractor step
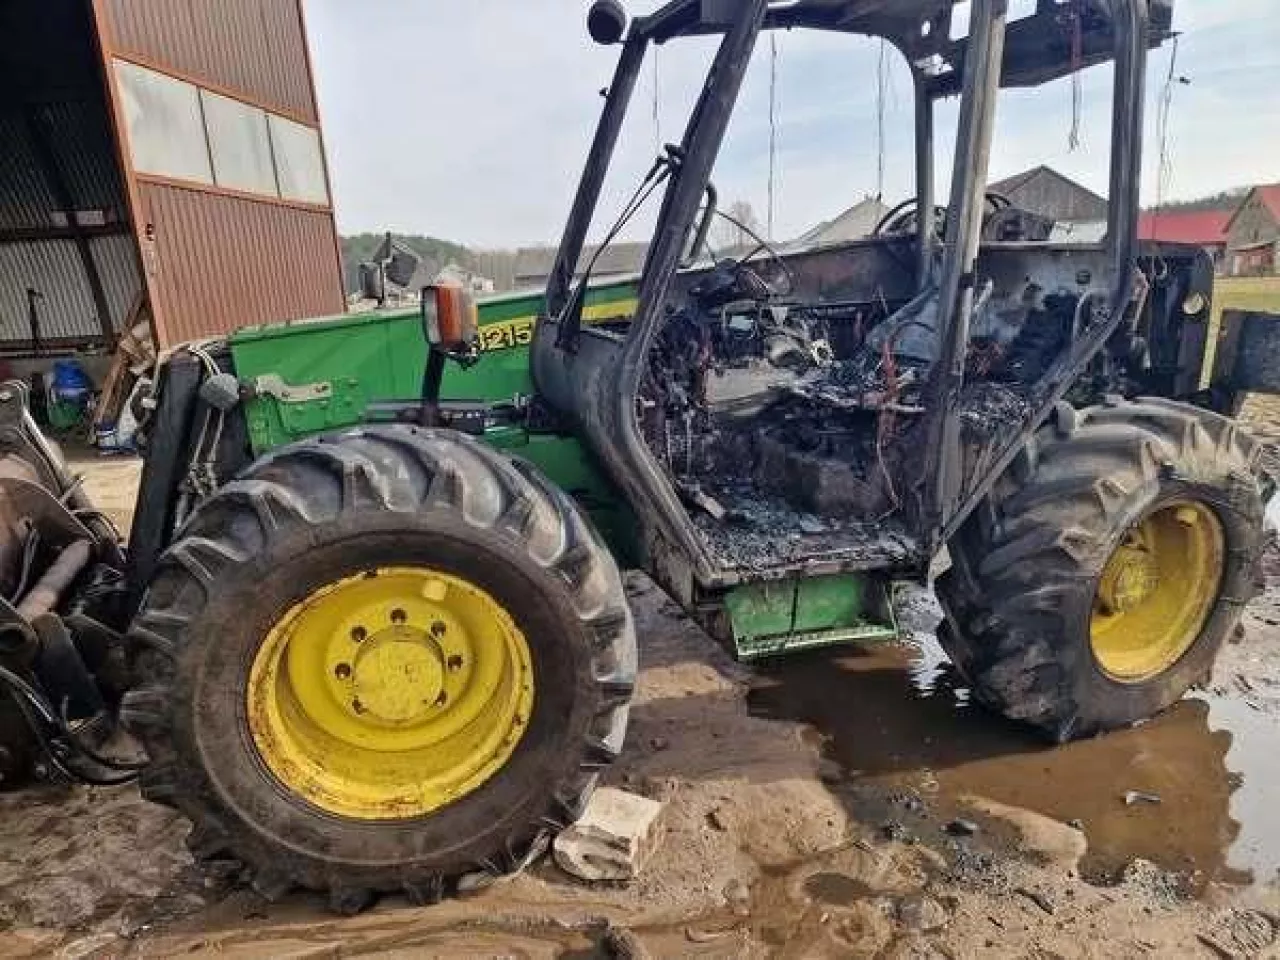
column 783, row 616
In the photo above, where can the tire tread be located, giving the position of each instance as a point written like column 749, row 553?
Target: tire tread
column 305, row 486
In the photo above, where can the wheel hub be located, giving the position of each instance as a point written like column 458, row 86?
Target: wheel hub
column 390, row 693
column 1157, row 591
column 397, row 676
column 1129, row 579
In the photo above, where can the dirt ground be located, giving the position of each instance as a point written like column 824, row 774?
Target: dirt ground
column 844, row 803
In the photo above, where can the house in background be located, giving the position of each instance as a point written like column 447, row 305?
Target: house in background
column 1079, row 213
column 533, row 264
column 855, row 223
column 1203, row 228
column 1253, row 234
column 1243, row 240
column 1242, row 236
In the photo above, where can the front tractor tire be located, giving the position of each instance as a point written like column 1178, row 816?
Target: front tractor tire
column 1099, row 578
column 388, row 660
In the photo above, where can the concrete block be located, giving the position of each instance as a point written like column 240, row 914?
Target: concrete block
column 613, row 839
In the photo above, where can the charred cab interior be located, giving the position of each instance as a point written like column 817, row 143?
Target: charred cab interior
column 844, row 408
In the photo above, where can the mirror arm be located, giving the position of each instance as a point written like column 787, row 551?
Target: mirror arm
column 704, row 227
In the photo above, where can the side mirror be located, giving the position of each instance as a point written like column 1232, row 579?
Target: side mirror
column 606, row 22
column 450, row 319
column 401, row 266
column 397, row 262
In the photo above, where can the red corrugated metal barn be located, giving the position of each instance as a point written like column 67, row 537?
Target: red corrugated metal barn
column 158, row 157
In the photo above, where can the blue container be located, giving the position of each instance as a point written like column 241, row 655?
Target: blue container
column 70, row 383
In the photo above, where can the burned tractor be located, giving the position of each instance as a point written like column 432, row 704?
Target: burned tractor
column 370, row 626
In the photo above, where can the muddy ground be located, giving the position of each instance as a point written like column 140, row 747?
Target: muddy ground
column 844, row 803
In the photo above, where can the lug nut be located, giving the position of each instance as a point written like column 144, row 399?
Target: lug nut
column 358, row 634
column 342, row 671
column 398, row 616
column 438, row 628
column 454, row 662
column 357, row 706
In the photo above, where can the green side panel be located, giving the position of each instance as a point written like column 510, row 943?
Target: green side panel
column 566, row 463
column 314, row 376
column 323, row 373
column 781, row 616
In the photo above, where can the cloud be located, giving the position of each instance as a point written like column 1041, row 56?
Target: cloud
column 471, row 121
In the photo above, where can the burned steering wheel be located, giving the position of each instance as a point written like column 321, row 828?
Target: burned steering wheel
column 905, row 217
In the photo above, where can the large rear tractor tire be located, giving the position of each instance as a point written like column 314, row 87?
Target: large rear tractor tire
column 1099, row 578
column 388, row 660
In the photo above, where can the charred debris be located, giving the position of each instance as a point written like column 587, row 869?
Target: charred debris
column 794, row 428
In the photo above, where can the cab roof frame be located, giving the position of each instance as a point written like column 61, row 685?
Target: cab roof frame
column 1037, row 49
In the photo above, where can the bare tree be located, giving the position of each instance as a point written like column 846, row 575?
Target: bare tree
column 735, row 233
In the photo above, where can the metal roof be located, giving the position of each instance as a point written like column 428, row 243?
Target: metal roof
column 1204, row 227
column 57, row 156
column 853, row 224
column 80, row 141
column 1051, row 194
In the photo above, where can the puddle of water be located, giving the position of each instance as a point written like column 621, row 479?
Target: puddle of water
column 1251, row 762
column 897, row 717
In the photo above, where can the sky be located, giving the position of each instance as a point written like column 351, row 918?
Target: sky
column 471, row 121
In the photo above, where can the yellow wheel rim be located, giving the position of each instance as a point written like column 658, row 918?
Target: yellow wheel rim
column 1157, row 591
column 390, row 694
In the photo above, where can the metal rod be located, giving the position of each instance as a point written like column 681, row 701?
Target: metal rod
column 964, row 232
column 617, row 98
column 1131, row 27
column 926, row 241
column 34, row 297
column 432, row 377
column 703, row 137
column 51, row 586
column 1130, row 79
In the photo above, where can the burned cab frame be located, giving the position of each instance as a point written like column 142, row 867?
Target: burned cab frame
column 844, row 410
